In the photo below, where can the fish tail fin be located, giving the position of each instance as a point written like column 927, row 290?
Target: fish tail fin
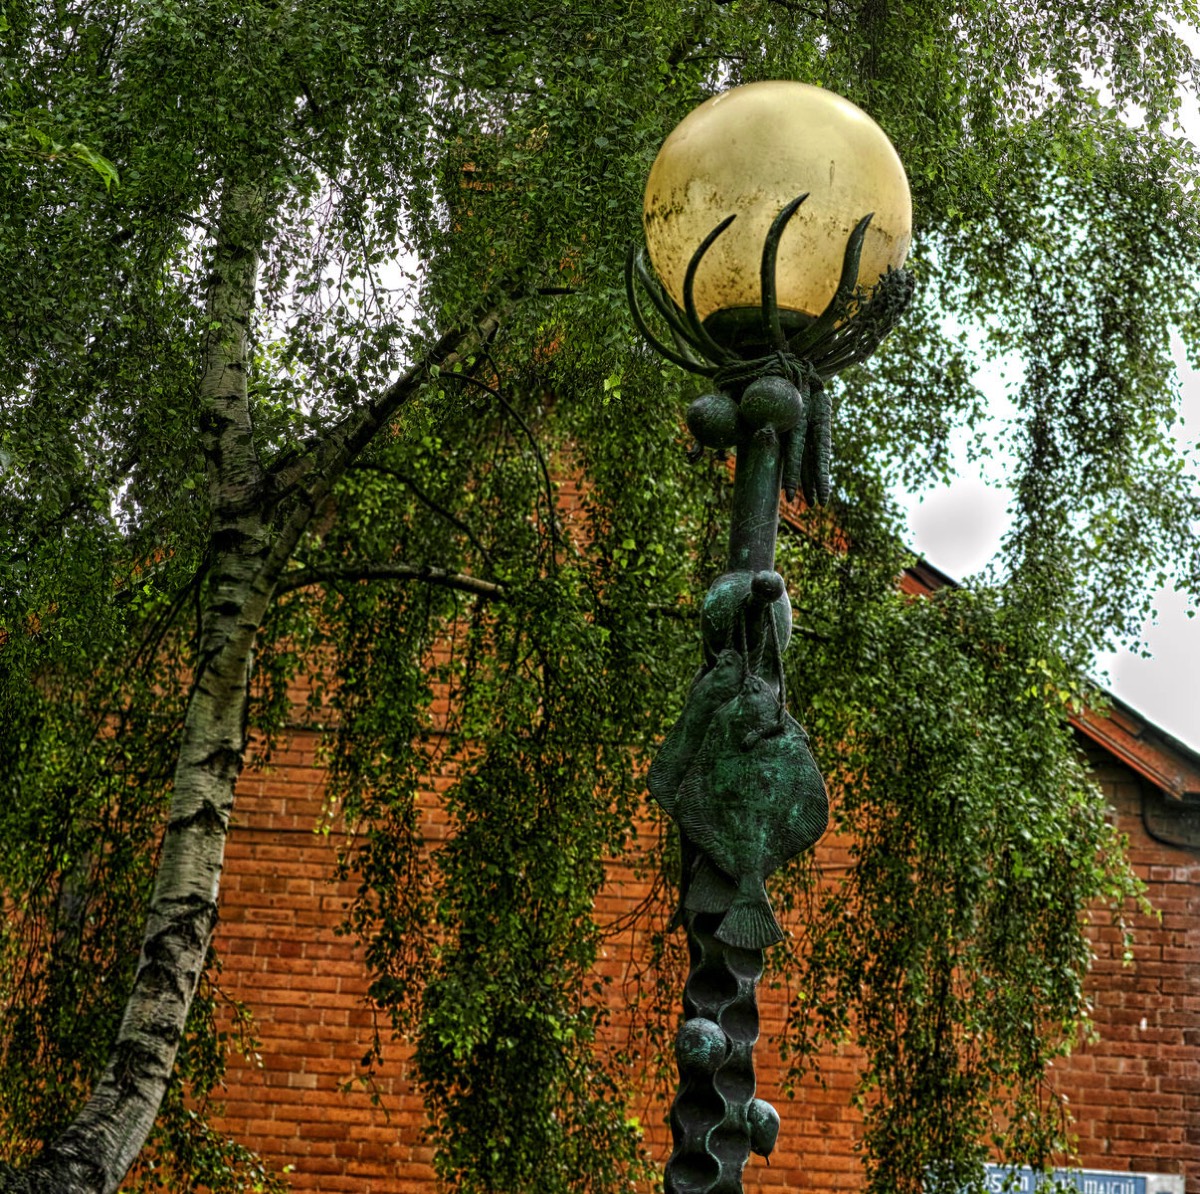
column 709, row 890
column 664, row 798
column 750, row 923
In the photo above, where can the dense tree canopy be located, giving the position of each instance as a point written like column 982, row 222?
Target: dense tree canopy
column 308, row 310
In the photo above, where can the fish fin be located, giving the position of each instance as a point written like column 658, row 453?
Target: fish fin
column 667, row 770
column 661, row 791
column 689, row 860
column 808, row 815
column 807, row 823
column 750, row 923
column 709, row 890
column 686, row 737
column 802, row 830
column 691, row 799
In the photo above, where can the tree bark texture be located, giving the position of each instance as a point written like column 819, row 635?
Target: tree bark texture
column 96, row 1151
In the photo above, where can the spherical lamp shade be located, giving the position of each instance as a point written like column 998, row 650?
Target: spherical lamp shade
column 751, row 151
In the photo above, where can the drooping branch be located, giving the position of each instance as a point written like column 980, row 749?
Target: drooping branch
column 511, row 411
column 425, row 573
column 425, row 500
column 299, row 485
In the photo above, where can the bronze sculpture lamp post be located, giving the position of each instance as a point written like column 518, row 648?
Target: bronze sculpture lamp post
column 777, row 219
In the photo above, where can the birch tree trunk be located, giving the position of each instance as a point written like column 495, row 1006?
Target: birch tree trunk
column 95, row 1152
column 257, row 518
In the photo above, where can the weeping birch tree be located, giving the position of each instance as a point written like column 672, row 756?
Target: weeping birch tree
column 310, row 309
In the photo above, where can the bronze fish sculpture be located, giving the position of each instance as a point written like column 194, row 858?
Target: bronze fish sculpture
column 711, row 690
column 752, row 799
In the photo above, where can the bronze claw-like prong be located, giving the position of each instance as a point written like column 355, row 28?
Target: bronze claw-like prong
column 770, row 308
column 711, row 349
column 810, row 336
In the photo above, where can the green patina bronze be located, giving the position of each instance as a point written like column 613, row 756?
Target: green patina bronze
column 735, row 772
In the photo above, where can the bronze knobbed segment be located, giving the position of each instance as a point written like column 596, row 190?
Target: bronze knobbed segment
column 737, row 776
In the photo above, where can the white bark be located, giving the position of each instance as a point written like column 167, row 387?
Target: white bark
column 96, row 1151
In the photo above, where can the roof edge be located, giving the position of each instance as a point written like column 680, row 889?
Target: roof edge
column 1112, row 724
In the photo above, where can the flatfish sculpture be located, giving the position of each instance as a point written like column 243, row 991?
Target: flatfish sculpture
column 751, row 799
column 710, row 690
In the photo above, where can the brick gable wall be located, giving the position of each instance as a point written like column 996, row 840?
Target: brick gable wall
column 1135, row 1094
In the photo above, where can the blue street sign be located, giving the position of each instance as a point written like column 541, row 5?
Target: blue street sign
column 1001, row 1178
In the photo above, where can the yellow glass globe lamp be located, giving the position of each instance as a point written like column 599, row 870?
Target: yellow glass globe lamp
column 749, row 153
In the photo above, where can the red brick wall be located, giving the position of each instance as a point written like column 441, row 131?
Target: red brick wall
column 305, row 987
column 1135, row 1095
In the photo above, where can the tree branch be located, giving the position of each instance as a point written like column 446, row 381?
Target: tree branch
column 251, row 539
column 533, row 443
column 317, row 468
column 423, row 498
column 309, row 479
column 430, row 575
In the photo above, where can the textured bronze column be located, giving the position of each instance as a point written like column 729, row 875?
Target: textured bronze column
column 716, row 1120
column 754, row 522
column 735, row 772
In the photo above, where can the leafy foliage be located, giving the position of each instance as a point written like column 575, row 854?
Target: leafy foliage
column 420, row 159
column 950, row 951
